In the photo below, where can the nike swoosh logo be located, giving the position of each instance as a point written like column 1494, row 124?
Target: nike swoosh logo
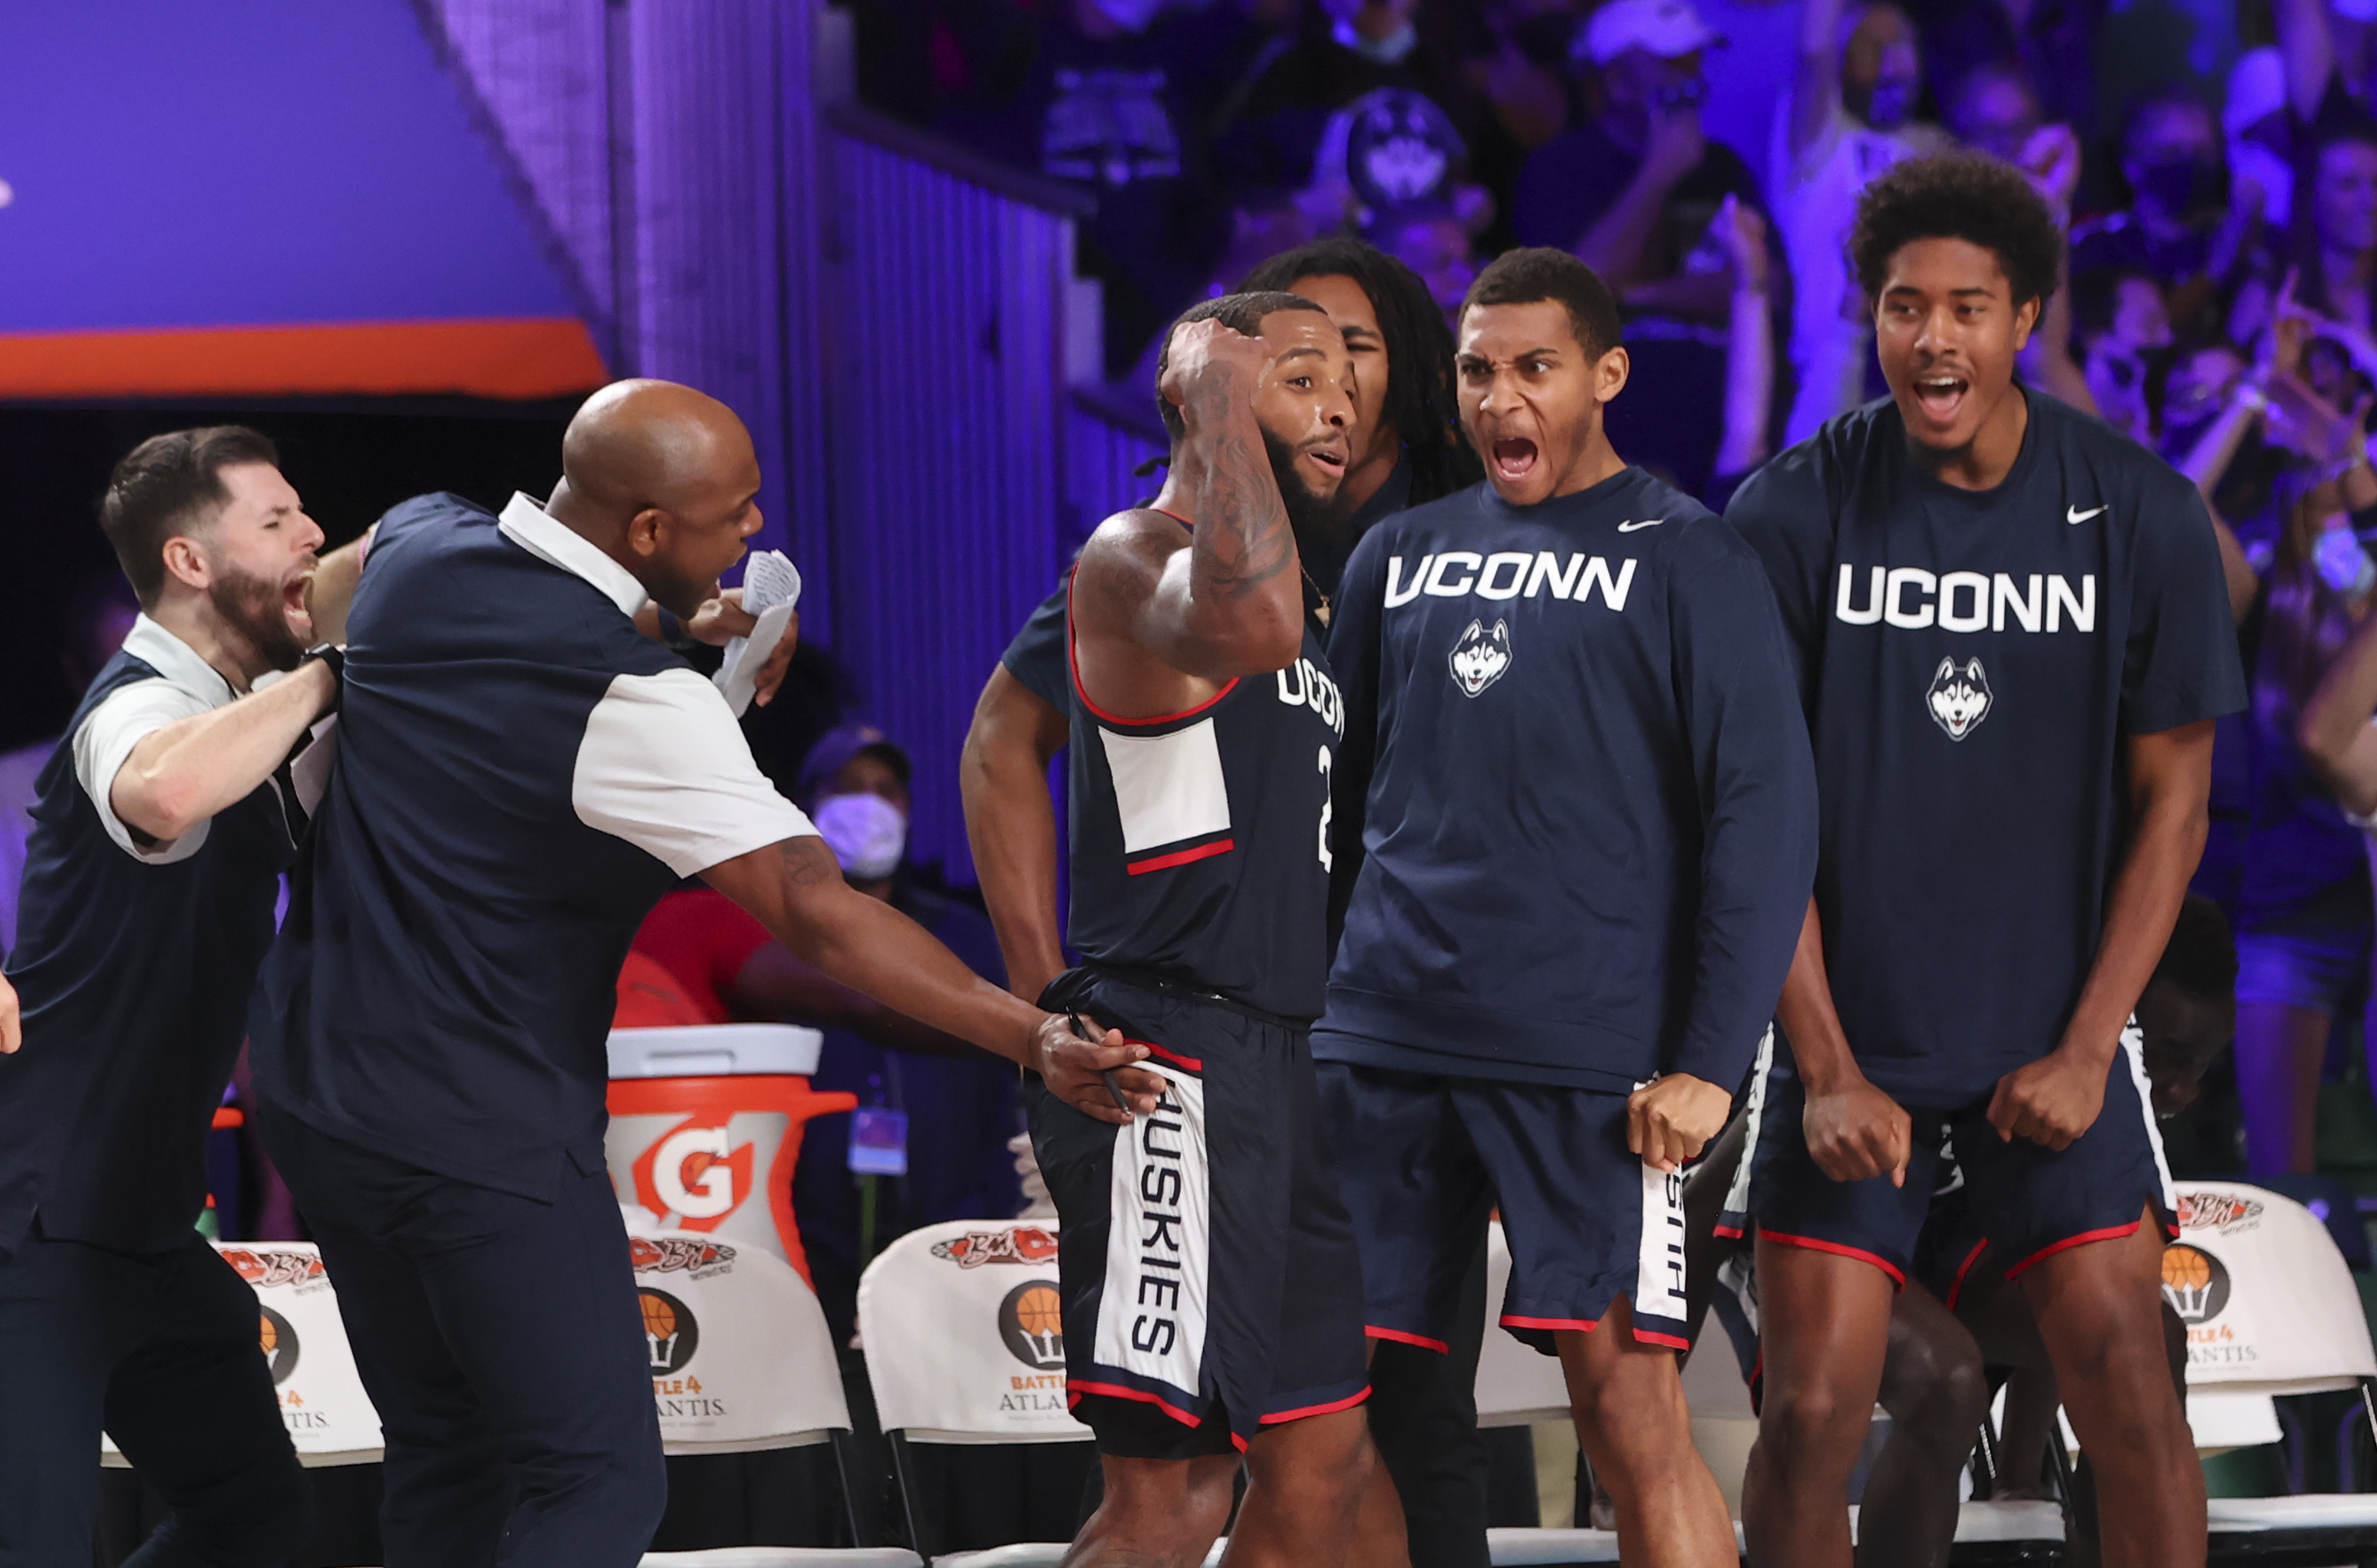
column 2073, row 514
column 1630, row 528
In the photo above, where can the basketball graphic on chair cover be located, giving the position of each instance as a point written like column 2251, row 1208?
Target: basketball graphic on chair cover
column 2195, row 1283
column 279, row 1342
column 1031, row 1321
column 670, row 1331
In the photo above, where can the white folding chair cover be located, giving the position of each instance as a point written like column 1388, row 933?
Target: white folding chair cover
column 787, row 1557
column 1517, row 1385
column 2268, row 1301
column 329, row 1417
column 2324, row 1510
column 2224, row 1419
column 741, row 1357
column 964, row 1336
column 1035, row 1554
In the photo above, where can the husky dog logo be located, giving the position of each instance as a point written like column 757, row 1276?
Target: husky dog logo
column 1480, row 657
column 1959, row 698
column 266, row 1267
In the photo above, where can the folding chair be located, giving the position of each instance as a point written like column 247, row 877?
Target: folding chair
column 2271, row 1308
column 329, row 1417
column 964, row 1329
column 742, row 1361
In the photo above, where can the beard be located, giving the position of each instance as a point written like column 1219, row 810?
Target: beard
column 254, row 607
column 1314, row 518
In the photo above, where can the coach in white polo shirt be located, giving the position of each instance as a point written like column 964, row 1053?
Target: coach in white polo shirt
column 522, row 775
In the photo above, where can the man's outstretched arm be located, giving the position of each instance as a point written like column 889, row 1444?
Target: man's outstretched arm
column 794, row 889
column 181, row 773
column 2336, row 734
column 1011, row 824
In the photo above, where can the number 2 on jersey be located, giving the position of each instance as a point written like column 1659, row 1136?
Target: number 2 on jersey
column 1327, row 807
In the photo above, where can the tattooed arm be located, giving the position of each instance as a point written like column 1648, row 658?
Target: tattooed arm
column 1162, row 614
column 794, row 889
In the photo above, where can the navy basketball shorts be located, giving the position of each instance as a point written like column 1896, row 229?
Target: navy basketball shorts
column 2024, row 1200
column 1206, row 1260
column 1424, row 1160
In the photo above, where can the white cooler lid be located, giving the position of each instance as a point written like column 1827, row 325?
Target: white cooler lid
column 715, row 1050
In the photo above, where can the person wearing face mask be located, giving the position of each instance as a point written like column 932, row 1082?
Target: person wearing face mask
column 1633, row 193
column 2181, row 225
column 1850, row 115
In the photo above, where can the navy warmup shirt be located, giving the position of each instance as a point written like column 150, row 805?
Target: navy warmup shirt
column 1590, row 825
column 520, row 775
column 1970, row 662
column 133, row 963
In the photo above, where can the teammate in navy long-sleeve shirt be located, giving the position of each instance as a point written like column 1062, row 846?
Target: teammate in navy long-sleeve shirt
column 1585, row 847
column 2013, row 638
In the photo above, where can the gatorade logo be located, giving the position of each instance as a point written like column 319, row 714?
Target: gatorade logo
column 695, row 1174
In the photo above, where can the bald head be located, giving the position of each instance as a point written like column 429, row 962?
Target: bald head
column 664, row 480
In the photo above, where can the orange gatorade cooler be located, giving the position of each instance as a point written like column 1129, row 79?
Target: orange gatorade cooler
column 706, row 1129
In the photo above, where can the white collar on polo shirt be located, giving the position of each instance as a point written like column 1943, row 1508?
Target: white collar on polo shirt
column 177, row 661
column 527, row 525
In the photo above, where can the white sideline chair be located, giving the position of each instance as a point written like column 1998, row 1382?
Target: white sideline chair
column 2271, row 1308
column 965, row 1346
column 742, row 1361
column 329, row 1417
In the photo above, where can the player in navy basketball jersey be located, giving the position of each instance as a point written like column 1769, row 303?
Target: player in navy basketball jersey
column 1211, row 1297
column 2013, row 638
column 1584, row 846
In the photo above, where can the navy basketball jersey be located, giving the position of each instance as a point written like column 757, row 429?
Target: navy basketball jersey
column 1201, row 840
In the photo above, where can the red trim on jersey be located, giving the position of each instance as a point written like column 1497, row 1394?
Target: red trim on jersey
column 1194, row 1063
column 2109, row 1233
column 1816, row 1244
column 1400, row 1337
column 1510, row 1321
column 1731, row 1233
column 1957, row 1286
column 1180, row 857
column 1073, row 664
column 1298, row 1414
column 1076, row 1388
column 1653, row 1336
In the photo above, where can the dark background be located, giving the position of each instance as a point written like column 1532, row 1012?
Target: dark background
column 351, row 461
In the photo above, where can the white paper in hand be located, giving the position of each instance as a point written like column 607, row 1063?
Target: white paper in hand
column 771, row 587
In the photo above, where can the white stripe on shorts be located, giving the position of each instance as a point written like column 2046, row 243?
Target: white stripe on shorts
column 1737, row 1196
column 2133, row 1045
column 1159, row 1241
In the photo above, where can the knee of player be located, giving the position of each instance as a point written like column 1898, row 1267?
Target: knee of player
column 1938, row 1390
column 1810, row 1423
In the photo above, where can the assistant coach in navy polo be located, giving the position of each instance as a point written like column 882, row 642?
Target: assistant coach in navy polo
column 522, row 775
column 163, row 823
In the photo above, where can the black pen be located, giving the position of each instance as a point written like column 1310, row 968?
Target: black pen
column 1105, row 1074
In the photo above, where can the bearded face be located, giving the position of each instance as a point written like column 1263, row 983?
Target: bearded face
column 259, row 608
